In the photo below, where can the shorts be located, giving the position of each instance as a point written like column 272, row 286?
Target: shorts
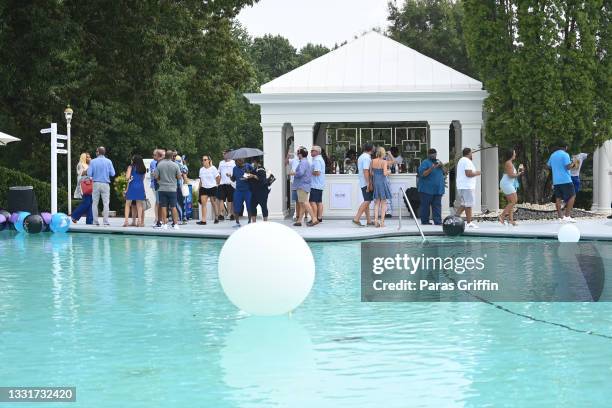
column 466, row 198
column 506, row 185
column 210, row 192
column 225, row 192
column 316, row 195
column 564, row 191
column 166, row 199
column 302, row 196
column 367, row 195
column 577, row 183
column 293, row 195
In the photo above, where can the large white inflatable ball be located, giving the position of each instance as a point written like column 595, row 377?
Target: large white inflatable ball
column 266, row 268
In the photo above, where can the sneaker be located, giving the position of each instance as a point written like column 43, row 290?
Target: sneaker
column 107, row 224
column 236, row 225
column 232, row 217
column 609, row 217
column 175, row 226
column 221, row 218
column 157, row 226
column 568, row 219
column 201, row 222
column 472, row 225
column 164, row 226
column 216, row 221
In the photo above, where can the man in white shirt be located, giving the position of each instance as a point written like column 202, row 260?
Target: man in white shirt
column 466, row 185
column 225, row 192
column 317, row 182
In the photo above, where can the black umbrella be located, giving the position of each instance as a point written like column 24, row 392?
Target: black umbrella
column 244, row 152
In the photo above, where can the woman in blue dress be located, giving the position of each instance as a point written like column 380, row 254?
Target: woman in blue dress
column 382, row 191
column 135, row 190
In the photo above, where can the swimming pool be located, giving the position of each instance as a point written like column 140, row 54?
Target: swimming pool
column 143, row 322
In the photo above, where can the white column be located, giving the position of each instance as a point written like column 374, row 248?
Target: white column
column 602, row 179
column 274, row 161
column 438, row 136
column 470, row 135
column 302, row 135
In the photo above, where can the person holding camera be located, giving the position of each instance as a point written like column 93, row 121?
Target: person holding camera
column 431, row 188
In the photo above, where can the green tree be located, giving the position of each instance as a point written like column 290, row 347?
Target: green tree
column 539, row 62
column 272, row 56
column 138, row 75
column 433, row 28
column 311, row 51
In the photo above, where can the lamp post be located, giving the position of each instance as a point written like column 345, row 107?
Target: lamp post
column 68, row 114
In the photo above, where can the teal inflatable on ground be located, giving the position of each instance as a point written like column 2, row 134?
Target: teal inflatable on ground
column 20, row 219
column 60, row 222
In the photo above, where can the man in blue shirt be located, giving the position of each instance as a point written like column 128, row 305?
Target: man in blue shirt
column 101, row 170
column 560, row 164
column 317, row 183
column 242, row 194
column 431, row 188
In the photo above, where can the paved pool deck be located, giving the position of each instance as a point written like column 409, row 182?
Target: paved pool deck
column 343, row 230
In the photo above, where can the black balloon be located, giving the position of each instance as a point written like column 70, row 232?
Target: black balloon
column 453, row 225
column 33, row 224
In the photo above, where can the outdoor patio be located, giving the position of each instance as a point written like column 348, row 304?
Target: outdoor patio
column 342, row 230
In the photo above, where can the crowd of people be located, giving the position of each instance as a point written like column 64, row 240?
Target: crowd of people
column 236, row 185
column 229, row 188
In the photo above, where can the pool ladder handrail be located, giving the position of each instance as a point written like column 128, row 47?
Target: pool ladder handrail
column 399, row 226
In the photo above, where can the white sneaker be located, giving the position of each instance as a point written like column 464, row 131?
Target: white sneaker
column 472, row 225
column 568, row 219
column 175, row 226
column 164, row 226
column 561, row 220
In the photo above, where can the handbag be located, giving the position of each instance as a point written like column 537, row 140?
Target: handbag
column 86, row 186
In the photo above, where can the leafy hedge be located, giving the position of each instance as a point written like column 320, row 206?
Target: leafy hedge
column 10, row 178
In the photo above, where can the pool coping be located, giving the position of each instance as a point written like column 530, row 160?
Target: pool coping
column 342, row 230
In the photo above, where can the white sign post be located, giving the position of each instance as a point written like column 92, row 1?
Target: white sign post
column 54, row 152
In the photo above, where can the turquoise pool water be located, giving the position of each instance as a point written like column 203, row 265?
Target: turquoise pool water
column 143, row 322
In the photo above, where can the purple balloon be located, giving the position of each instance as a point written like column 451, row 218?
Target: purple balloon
column 46, row 217
column 2, row 219
column 14, row 217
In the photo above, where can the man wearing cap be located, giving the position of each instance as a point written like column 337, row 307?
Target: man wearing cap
column 431, row 188
column 317, row 182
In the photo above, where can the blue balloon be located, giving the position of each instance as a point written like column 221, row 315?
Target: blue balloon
column 19, row 222
column 60, row 222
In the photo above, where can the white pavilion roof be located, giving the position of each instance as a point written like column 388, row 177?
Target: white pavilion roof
column 371, row 63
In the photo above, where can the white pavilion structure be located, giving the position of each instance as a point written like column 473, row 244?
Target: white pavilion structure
column 375, row 89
